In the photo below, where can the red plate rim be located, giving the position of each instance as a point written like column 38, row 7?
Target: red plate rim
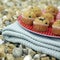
column 19, row 21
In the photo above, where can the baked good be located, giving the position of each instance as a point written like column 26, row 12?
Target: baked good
column 49, row 17
column 30, row 14
column 52, row 10
column 56, row 27
column 37, row 11
column 40, row 24
column 28, row 17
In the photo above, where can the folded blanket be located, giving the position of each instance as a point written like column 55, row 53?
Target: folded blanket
column 16, row 34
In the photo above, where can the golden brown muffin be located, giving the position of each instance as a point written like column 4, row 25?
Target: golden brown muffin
column 56, row 27
column 37, row 11
column 29, row 14
column 49, row 17
column 28, row 17
column 52, row 9
column 40, row 24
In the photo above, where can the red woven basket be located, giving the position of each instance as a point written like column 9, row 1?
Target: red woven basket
column 30, row 28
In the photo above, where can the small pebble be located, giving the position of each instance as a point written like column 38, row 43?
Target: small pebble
column 32, row 59
column 2, row 55
column 28, row 57
column 4, row 17
column 2, row 47
column 25, row 51
column 9, row 48
column 17, row 52
column 45, row 58
column 2, row 58
column 24, row 47
column 9, row 57
column 53, row 58
column 1, row 41
column 37, row 57
column 43, row 55
column 19, row 58
column 1, row 9
column 4, row 12
column 31, row 52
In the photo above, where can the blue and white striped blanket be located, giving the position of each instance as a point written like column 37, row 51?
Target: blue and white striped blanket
column 16, row 34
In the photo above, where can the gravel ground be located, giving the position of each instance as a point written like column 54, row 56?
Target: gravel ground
column 9, row 11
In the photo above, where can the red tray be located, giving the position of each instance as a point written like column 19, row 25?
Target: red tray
column 30, row 28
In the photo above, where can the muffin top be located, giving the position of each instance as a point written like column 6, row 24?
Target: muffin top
column 36, row 10
column 52, row 9
column 48, row 16
column 56, row 24
column 29, row 14
column 41, row 20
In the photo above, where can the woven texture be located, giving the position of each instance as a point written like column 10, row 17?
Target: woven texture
column 16, row 34
column 30, row 28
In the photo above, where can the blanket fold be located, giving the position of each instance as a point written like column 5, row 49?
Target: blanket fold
column 16, row 34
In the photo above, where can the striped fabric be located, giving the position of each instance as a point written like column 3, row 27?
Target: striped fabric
column 16, row 34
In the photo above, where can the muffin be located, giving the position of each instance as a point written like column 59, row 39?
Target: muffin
column 28, row 17
column 40, row 24
column 56, row 27
column 52, row 10
column 37, row 11
column 49, row 17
